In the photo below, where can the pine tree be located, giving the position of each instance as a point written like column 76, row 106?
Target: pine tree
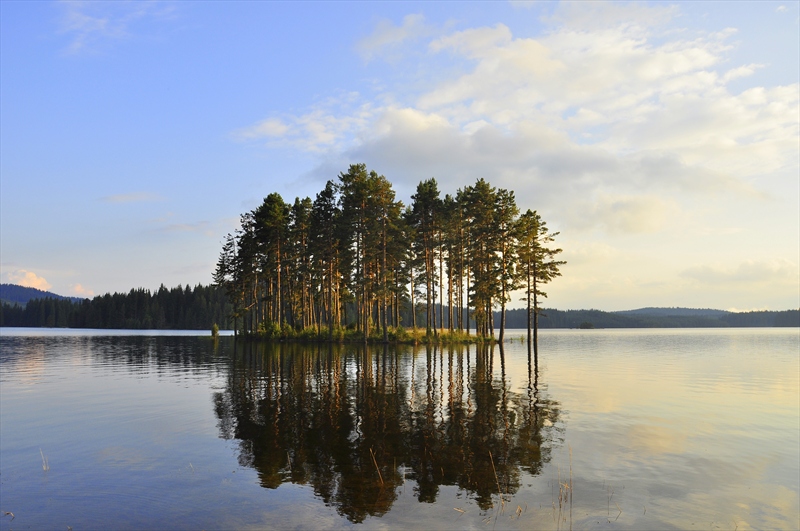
column 505, row 219
column 426, row 209
column 300, row 262
column 324, row 247
column 537, row 265
column 480, row 202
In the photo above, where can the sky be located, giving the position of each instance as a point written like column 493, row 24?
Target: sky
column 660, row 140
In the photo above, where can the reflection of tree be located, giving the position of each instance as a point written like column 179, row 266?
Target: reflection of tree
column 355, row 423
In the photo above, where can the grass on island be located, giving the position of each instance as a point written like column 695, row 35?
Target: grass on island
column 273, row 332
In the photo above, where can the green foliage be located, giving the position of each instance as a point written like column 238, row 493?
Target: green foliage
column 270, row 330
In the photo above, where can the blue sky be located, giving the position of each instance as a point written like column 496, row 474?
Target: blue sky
column 662, row 140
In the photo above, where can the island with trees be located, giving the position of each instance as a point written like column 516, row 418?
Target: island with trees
column 344, row 265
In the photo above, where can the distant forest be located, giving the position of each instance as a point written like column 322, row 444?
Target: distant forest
column 178, row 308
column 655, row 318
column 200, row 307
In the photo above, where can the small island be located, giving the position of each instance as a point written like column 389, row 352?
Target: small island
column 343, row 266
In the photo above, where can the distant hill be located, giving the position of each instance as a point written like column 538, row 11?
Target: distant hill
column 20, row 295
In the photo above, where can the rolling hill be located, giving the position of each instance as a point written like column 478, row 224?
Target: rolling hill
column 20, row 295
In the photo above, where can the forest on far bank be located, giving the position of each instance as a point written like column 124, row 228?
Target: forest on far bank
column 659, row 318
column 177, row 308
column 198, row 308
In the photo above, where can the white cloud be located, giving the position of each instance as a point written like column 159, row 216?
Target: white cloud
column 617, row 124
column 476, row 42
column 609, row 119
column 331, row 124
column 599, row 15
column 622, row 214
column 546, row 169
column 271, row 127
column 28, row 279
column 739, row 135
column 781, row 9
column 742, row 71
column 629, row 95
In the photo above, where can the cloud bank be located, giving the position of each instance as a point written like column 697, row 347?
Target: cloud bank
column 614, row 122
column 594, row 106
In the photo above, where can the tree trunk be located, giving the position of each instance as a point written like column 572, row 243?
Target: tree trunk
column 383, row 284
column 279, row 309
column 441, row 287
column 466, row 273
column 528, row 322
column 428, row 289
column 535, row 319
column 450, row 300
column 502, row 322
column 330, row 301
column 413, row 303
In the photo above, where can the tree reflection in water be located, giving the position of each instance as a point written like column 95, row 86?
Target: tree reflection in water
column 355, row 423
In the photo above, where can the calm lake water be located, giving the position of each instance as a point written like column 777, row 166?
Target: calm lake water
column 607, row 429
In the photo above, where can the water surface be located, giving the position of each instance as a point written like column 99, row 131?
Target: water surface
column 685, row 429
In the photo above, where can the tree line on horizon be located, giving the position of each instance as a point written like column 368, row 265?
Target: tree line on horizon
column 178, row 308
column 199, row 308
column 552, row 318
column 356, row 256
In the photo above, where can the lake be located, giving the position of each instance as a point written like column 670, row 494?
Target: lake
column 604, row 429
